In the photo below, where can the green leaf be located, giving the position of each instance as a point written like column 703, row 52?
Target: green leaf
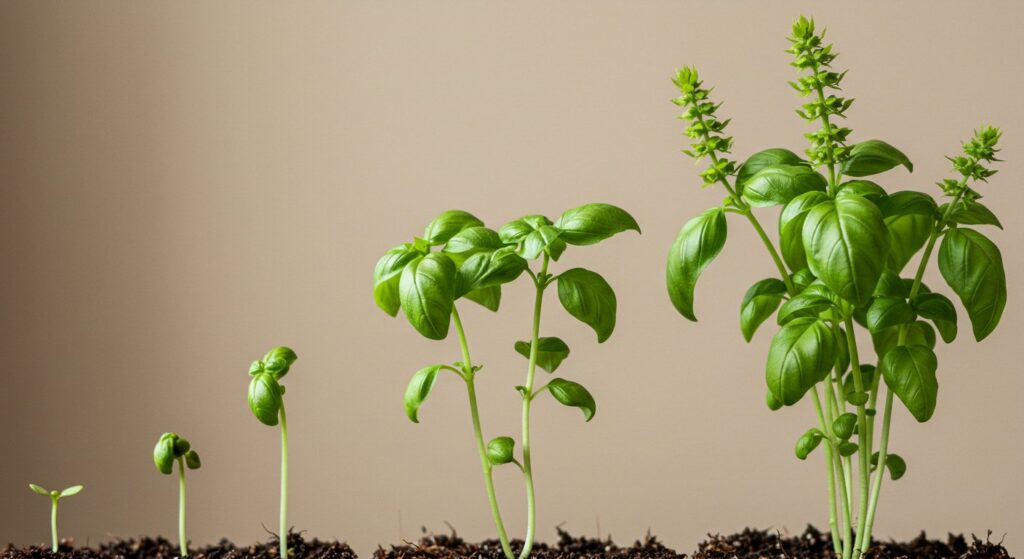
column 427, row 290
column 550, row 352
column 488, row 297
column 698, row 243
column 762, row 159
column 971, row 213
column 446, row 225
column 192, row 460
column 791, row 223
column 865, row 189
column 873, row 157
column 801, row 354
column 541, row 240
column 810, row 302
column 470, row 241
column 910, row 217
column 574, row 395
column 38, row 489
column 867, row 374
column 499, row 450
column 844, row 425
column 386, row 275
column 517, row 230
column 488, row 269
column 846, row 448
column 278, row 361
column 807, row 442
column 891, row 285
column 918, row 333
column 265, row 398
column 592, row 223
column 759, row 303
column 73, row 490
column 889, row 311
column 896, row 465
column 181, row 446
column 777, row 185
column 418, row 389
column 972, row 265
column 847, row 243
column 909, row 371
column 589, row 298
column 940, row 310
column 163, row 453
column 772, row 403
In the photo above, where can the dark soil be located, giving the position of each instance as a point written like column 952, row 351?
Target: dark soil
column 568, row 547
column 813, row 544
column 160, row 548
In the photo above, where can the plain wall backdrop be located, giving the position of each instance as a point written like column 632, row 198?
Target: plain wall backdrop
column 187, row 184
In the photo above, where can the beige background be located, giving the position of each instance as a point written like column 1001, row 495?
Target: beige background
column 187, row 184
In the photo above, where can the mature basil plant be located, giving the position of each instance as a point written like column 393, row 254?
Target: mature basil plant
column 844, row 243
column 472, row 263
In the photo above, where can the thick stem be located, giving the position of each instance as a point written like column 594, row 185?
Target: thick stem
column 182, row 540
column 53, row 525
column 283, row 533
column 862, row 423
column 469, row 376
column 531, row 502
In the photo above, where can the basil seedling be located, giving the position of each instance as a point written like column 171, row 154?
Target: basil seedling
column 843, row 243
column 55, row 496
column 266, row 400
column 172, row 448
column 473, row 263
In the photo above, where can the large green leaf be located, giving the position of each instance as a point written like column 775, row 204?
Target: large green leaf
column 791, row 223
column 699, row 241
column 550, row 352
column 265, row 398
column 386, row 275
column 592, row 223
column 777, row 185
column 909, row 217
column 759, row 303
column 573, row 394
column 846, row 242
column 446, row 225
column 762, row 159
column 873, row 157
column 801, row 354
column 589, row 298
column 418, row 389
column 427, row 291
column 972, row 265
column 889, row 311
column 940, row 310
column 909, row 371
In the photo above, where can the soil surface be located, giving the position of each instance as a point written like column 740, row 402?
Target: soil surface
column 568, row 547
column 813, row 544
column 160, row 548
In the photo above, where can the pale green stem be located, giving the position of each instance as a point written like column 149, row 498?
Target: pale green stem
column 53, row 525
column 531, row 504
column 833, row 512
column 468, row 375
column 182, row 541
column 283, row 534
column 862, row 423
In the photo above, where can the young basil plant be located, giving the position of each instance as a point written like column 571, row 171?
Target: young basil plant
column 55, row 496
column 457, row 259
column 266, row 400
column 843, row 244
column 171, row 448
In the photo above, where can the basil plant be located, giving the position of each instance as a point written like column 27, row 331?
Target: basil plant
column 849, row 256
column 460, row 260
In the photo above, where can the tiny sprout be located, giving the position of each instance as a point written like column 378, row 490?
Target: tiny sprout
column 55, row 496
column 266, row 400
column 171, row 447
